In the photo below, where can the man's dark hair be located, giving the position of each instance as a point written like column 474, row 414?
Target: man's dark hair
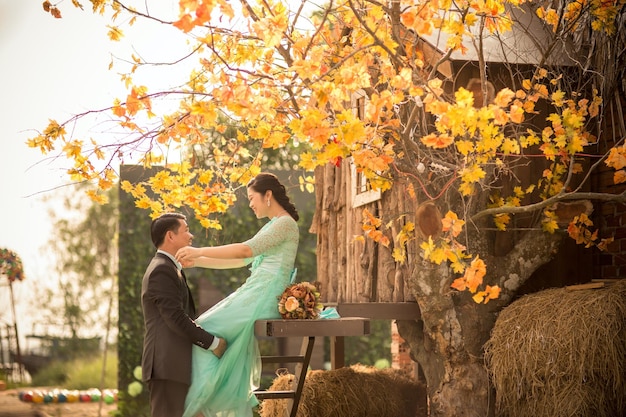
column 163, row 224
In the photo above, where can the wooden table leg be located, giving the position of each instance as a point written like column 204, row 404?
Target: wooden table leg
column 337, row 352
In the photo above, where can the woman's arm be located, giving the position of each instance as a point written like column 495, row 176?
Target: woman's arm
column 234, row 251
column 214, row 263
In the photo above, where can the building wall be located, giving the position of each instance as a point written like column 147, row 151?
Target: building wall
column 610, row 217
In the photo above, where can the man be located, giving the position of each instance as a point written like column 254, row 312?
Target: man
column 168, row 311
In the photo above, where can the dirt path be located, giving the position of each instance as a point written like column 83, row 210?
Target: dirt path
column 12, row 406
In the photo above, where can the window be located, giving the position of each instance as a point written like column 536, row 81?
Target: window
column 362, row 192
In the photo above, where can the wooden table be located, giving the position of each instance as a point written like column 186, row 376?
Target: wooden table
column 308, row 330
column 372, row 311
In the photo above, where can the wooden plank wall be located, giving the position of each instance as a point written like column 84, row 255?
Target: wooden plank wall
column 354, row 270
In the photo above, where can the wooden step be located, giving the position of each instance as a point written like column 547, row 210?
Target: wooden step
column 282, row 359
column 265, row 395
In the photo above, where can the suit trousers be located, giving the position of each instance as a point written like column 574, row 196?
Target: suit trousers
column 167, row 398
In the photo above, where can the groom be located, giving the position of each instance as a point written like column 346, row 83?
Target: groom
column 168, row 311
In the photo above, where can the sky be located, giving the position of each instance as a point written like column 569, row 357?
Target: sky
column 51, row 69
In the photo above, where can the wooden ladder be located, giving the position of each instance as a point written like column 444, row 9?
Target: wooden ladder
column 302, row 365
column 308, row 330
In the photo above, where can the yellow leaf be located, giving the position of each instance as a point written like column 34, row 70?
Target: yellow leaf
column 473, row 173
column 464, row 98
column 458, row 267
column 115, row 33
column 98, row 198
column 427, row 246
column 438, row 256
column 466, row 188
column 557, row 98
column 398, row 255
column 464, row 146
column 479, row 297
column 501, row 221
column 549, row 222
column 510, row 147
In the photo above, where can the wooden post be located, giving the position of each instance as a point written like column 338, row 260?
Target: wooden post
column 18, row 353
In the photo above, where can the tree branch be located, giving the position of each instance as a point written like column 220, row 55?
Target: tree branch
column 620, row 198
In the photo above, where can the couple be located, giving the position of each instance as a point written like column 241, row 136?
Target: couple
column 216, row 377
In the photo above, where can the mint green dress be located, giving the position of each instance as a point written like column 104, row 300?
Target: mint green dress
column 223, row 387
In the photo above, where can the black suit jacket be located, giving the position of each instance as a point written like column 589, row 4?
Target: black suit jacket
column 168, row 311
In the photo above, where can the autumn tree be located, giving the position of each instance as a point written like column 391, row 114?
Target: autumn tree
column 286, row 72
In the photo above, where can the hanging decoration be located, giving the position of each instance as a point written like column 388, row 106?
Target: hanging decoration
column 11, row 265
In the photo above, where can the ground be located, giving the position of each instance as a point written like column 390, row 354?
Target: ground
column 12, row 406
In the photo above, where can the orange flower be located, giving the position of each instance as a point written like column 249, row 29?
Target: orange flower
column 291, row 304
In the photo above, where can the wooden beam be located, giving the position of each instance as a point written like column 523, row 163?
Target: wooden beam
column 589, row 286
column 348, row 326
column 380, row 311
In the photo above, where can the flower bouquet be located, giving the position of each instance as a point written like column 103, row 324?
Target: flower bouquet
column 300, row 301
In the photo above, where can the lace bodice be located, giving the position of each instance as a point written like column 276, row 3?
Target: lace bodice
column 274, row 247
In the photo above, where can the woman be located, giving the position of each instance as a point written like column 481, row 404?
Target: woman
column 223, row 387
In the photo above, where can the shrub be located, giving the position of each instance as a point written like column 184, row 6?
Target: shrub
column 82, row 373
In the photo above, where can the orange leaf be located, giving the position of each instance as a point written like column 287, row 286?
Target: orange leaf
column 185, row 23
column 452, row 222
column 517, row 114
column 437, row 141
column 459, row 284
column 493, row 292
column 504, row 97
column 474, row 274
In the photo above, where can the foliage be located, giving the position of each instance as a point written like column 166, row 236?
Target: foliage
column 54, row 374
column 270, row 76
column 82, row 373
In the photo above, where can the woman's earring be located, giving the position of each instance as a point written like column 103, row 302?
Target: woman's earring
column 268, row 203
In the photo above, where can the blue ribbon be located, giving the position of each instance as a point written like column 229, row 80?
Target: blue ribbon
column 329, row 313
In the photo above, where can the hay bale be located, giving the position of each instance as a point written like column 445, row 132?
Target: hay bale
column 561, row 353
column 356, row 391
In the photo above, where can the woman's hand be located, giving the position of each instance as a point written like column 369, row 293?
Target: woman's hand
column 188, row 264
column 187, row 255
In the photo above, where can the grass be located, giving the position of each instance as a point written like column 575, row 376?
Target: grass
column 80, row 374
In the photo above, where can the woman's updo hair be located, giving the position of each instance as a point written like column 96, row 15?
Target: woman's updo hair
column 265, row 182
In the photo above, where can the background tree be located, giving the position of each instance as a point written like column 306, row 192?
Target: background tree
column 81, row 303
column 282, row 77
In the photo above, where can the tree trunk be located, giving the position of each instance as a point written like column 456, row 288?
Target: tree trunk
column 448, row 340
